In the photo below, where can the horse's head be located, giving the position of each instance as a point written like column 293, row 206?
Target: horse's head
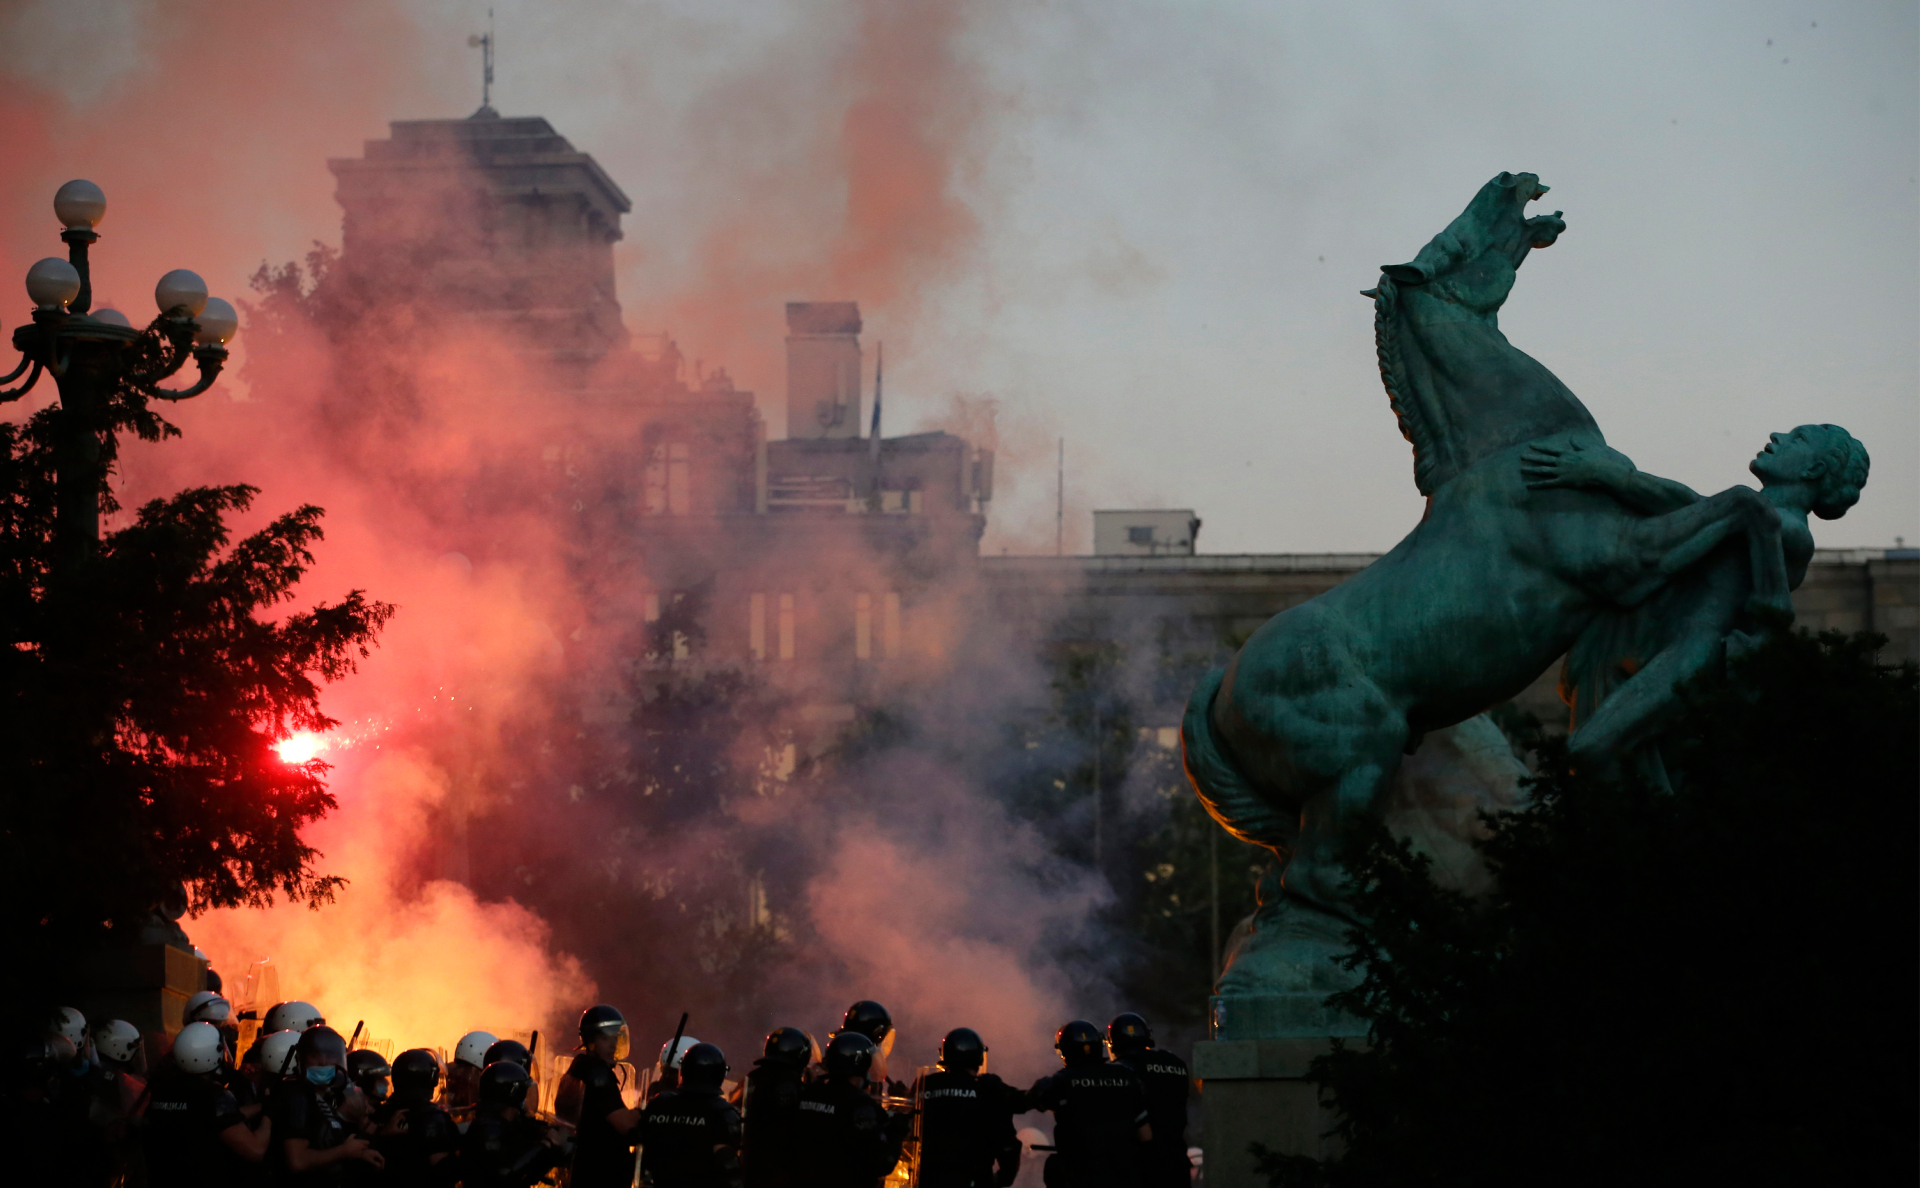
column 1472, row 262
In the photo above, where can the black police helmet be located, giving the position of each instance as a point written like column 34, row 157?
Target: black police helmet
column 504, row 1083
column 596, row 1019
column 869, row 1019
column 321, row 1044
column 703, row 1066
column 849, row 1054
column 1078, row 1043
column 1129, row 1033
column 789, row 1045
column 512, row 1050
column 962, row 1050
column 365, row 1064
column 415, row 1073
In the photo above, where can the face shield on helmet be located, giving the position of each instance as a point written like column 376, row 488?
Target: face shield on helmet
column 323, row 1055
column 600, row 1022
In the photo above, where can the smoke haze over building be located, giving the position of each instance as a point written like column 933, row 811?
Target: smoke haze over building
column 1140, row 226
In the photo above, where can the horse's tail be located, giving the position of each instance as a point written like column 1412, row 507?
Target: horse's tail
column 1234, row 802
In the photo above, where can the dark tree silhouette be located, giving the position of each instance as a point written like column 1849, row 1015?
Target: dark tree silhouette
column 1715, row 985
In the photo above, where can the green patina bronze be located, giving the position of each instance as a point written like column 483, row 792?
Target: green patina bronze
column 1538, row 542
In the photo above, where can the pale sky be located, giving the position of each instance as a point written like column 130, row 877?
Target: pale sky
column 1178, row 203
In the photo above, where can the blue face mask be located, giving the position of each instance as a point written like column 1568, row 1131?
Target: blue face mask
column 322, row 1076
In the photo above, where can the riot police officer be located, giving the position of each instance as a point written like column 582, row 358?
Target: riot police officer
column 194, row 1133
column 416, row 1137
column 506, row 1147
column 843, row 1138
column 690, row 1136
column 462, row 1092
column 966, row 1119
column 317, row 1143
column 874, row 1021
column 1100, row 1119
column 772, row 1099
column 371, row 1074
column 589, row 1098
column 1167, row 1083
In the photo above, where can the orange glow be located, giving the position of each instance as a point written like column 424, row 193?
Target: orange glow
column 300, row 747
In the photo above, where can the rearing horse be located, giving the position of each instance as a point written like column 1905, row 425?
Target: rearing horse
column 1304, row 728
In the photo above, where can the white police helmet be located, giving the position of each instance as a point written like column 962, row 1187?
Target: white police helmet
column 291, row 1016
column 472, row 1048
column 207, row 1007
column 197, row 1048
column 116, row 1040
column 276, row 1051
column 73, row 1025
column 670, row 1053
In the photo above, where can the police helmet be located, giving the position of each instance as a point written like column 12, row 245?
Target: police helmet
column 1078, row 1043
column 276, row 1052
column 208, row 1007
column 73, row 1025
column 416, row 1072
column 963, row 1050
column 292, row 1016
column 849, row 1054
column 370, row 1070
column 674, row 1051
column 789, row 1045
column 508, row 1049
column 703, row 1066
column 322, row 1045
column 197, row 1048
column 597, row 1021
column 1128, row 1033
column 472, row 1048
column 116, row 1040
column 868, row 1018
column 504, row 1083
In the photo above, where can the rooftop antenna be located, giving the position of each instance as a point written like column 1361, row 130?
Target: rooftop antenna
column 484, row 43
column 873, row 436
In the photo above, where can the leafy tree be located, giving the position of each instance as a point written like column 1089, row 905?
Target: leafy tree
column 1712, row 985
column 144, row 688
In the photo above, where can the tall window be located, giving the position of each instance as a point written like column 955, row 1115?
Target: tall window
column 757, row 626
column 667, row 484
column 890, row 625
column 786, row 626
column 863, row 626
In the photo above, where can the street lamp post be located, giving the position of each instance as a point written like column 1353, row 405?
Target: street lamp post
column 106, row 370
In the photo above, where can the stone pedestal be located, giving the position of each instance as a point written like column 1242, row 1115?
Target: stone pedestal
column 1256, row 1091
column 147, row 985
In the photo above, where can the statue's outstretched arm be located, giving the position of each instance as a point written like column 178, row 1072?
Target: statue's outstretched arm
column 1568, row 464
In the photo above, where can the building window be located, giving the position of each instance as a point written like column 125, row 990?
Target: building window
column 1140, row 534
column 667, row 484
column 890, row 625
column 863, row 626
column 786, row 626
column 757, row 626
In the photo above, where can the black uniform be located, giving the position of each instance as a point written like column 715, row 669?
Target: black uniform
column 499, row 1152
column 185, row 1117
column 1097, row 1113
column 409, row 1154
column 772, row 1102
column 678, row 1136
column 845, row 1139
column 602, row 1156
column 1168, row 1083
column 966, row 1126
column 304, row 1111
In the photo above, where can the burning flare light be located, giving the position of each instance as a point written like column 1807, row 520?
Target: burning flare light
column 299, row 748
